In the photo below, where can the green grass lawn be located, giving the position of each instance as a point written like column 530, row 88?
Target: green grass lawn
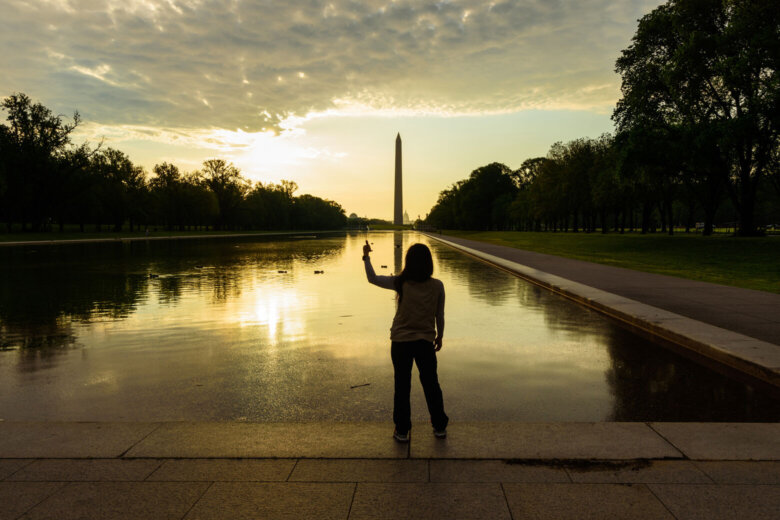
column 753, row 263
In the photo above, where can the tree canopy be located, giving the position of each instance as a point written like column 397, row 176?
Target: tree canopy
column 45, row 180
column 703, row 74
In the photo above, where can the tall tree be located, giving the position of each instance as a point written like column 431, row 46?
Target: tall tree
column 34, row 147
column 167, row 190
column 228, row 186
column 713, row 64
column 120, row 185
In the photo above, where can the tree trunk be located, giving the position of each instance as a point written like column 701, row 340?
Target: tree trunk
column 646, row 210
column 747, row 207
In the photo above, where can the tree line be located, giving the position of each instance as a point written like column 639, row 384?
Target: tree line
column 696, row 137
column 47, row 182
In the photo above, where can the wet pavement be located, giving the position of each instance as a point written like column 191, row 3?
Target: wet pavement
column 500, row 470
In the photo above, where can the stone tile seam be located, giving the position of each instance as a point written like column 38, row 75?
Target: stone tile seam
column 655, row 495
column 683, row 455
column 158, row 468
column 704, row 472
column 186, row 513
column 20, row 468
column 717, row 353
column 139, row 441
column 292, row 470
column 352, row 500
column 506, row 501
column 47, row 497
column 160, row 463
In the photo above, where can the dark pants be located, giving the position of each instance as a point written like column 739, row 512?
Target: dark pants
column 403, row 354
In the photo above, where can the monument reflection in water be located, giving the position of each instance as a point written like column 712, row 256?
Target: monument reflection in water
column 238, row 329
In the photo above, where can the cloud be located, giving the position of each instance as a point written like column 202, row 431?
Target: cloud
column 251, row 65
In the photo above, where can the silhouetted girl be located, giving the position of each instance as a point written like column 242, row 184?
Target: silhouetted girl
column 416, row 335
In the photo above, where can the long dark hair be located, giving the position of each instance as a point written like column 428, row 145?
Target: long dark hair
column 418, row 267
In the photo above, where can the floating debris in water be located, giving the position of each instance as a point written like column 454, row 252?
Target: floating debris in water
column 358, row 386
column 345, row 316
column 383, row 267
column 152, row 275
column 281, row 272
column 319, row 272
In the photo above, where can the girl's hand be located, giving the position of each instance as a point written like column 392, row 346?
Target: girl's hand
column 366, row 249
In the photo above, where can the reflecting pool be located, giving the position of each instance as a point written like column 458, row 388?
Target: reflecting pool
column 246, row 329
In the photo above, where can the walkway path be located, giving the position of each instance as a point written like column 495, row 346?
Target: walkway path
column 738, row 328
column 356, row 471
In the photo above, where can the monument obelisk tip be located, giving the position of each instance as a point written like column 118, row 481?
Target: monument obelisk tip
column 398, row 206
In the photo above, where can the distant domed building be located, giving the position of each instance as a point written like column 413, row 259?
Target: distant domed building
column 406, row 219
column 353, row 215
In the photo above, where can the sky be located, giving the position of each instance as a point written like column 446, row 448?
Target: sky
column 316, row 91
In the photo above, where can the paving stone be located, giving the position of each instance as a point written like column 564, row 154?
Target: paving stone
column 494, row 471
column 584, row 501
column 720, row 502
column 363, row 470
column 742, row 472
column 74, row 470
column 273, row 501
column 724, row 441
column 69, row 439
column 429, row 500
column 18, row 497
column 605, row 441
column 119, row 501
column 10, row 466
column 657, row 471
column 248, row 470
column 270, row 440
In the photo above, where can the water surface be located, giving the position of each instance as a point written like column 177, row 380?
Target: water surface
column 243, row 329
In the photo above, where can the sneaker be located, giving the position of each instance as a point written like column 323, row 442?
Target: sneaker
column 440, row 434
column 401, row 437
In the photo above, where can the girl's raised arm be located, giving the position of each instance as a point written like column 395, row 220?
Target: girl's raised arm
column 385, row 282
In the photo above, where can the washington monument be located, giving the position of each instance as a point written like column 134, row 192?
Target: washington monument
column 398, row 215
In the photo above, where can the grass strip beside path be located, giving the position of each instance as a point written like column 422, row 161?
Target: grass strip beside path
column 752, row 263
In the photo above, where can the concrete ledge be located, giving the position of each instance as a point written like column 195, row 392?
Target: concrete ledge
column 497, row 441
column 723, row 441
column 270, row 440
column 757, row 359
column 70, row 439
column 541, row 441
